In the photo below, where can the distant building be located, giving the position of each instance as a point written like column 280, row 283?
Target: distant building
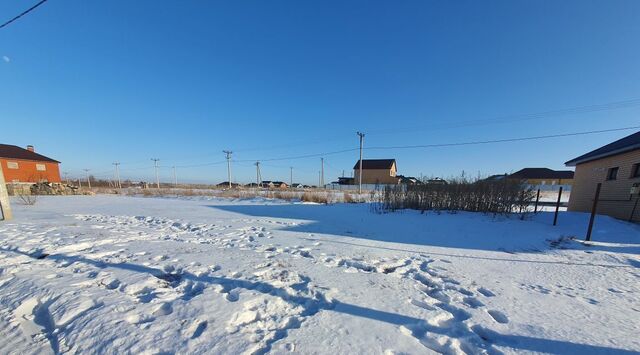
column 273, row 184
column 408, row 180
column 617, row 167
column 280, row 184
column 345, row 181
column 25, row 165
column 436, row 181
column 226, row 184
column 297, row 185
column 543, row 176
column 376, row 171
column 266, row 184
column 497, row 177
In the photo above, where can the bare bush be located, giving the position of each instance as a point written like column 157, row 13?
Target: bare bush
column 28, row 200
column 498, row 197
column 314, row 197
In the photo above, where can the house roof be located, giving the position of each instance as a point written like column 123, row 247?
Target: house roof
column 375, row 164
column 541, row 173
column 497, row 177
column 623, row 145
column 15, row 152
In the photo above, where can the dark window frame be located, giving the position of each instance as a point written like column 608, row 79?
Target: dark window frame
column 612, row 173
column 635, row 171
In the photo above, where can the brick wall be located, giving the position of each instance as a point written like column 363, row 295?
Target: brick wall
column 16, row 170
column 615, row 199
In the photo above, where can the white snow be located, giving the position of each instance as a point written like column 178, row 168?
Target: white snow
column 114, row 274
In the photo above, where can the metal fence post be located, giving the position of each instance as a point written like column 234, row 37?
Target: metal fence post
column 593, row 212
column 555, row 217
column 535, row 208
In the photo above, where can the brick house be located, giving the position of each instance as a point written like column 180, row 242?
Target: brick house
column 617, row 167
column 25, row 165
column 376, row 171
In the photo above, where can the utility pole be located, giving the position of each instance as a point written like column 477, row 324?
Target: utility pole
column 228, row 153
column 322, row 171
column 291, row 176
column 258, row 177
column 175, row 177
column 86, row 171
column 319, row 179
column 155, row 165
column 66, row 177
column 118, row 174
column 360, row 167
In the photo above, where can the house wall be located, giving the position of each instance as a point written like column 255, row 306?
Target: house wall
column 27, row 171
column 376, row 176
column 615, row 199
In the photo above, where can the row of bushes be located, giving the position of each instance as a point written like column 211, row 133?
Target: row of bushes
column 498, row 197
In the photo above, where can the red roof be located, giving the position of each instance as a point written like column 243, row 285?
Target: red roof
column 15, row 152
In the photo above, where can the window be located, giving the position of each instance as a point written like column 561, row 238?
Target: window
column 41, row 167
column 635, row 170
column 612, row 174
column 12, row 165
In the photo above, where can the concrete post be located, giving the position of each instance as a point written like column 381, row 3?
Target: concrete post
column 5, row 208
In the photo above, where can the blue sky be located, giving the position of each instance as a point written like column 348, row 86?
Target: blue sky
column 93, row 82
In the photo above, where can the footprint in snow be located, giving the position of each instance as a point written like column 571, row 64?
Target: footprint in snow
column 197, row 328
column 472, row 302
column 498, row 316
column 232, row 296
column 485, row 292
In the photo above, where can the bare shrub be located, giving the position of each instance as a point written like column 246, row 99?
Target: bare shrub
column 497, row 197
column 348, row 198
column 28, row 200
column 314, row 197
column 351, row 198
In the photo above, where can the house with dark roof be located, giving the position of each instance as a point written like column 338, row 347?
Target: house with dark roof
column 617, row 167
column 273, row 184
column 25, row 165
column 408, row 180
column 225, row 184
column 376, row 171
column 543, row 176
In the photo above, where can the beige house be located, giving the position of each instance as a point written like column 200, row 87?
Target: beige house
column 617, row 167
column 376, row 171
column 543, row 176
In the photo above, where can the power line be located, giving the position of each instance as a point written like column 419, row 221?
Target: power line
column 23, row 13
column 503, row 140
column 519, row 117
column 302, row 156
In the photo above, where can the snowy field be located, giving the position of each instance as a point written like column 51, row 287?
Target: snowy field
column 114, row 274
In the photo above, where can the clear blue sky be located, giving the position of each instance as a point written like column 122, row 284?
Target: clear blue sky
column 93, row 82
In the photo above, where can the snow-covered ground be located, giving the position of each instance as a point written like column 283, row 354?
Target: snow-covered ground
column 113, row 274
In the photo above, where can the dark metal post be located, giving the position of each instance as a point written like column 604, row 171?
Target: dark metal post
column 633, row 211
column 593, row 211
column 535, row 208
column 555, row 217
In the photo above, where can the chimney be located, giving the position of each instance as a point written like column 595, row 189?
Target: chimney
column 30, row 148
